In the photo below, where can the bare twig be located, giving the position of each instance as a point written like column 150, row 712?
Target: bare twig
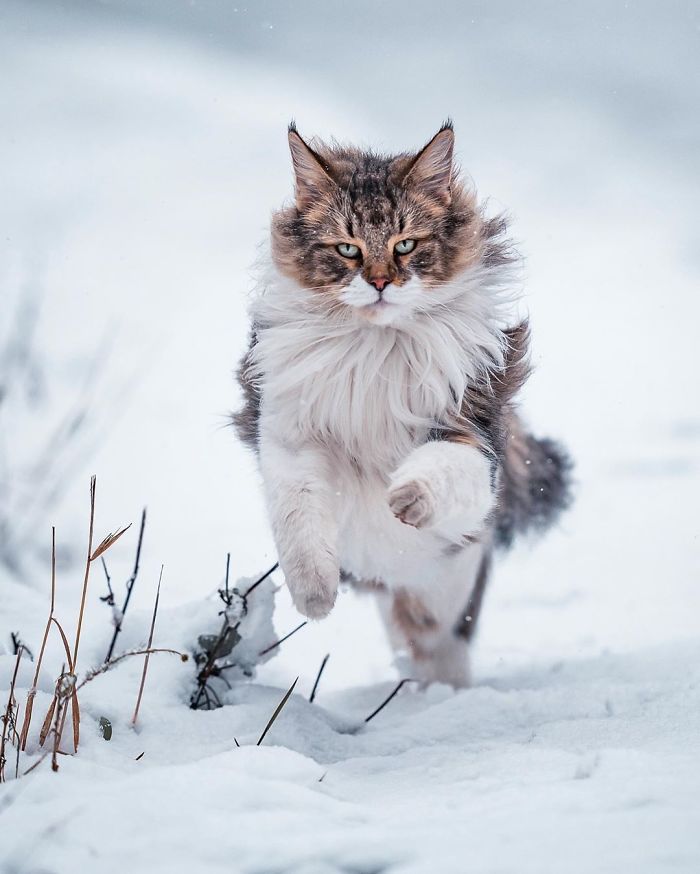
column 32, row 692
column 129, row 588
column 109, row 597
column 9, row 720
column 18, row 643
column 318, row 677
column 106, row 666
column 389, row 697
column 282, row 639
column 226, row 594
column 148, row 647
column 277, row 712
column 261, row 579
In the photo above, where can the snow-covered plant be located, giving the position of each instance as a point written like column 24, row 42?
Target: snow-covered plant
column 245, row 638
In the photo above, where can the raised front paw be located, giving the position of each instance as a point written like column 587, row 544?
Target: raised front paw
column 412, row 503
column 312, row 579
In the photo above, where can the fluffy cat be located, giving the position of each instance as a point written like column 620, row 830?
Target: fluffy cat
column 378, row 394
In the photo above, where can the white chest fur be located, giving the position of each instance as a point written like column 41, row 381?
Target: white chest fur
column 370, row 392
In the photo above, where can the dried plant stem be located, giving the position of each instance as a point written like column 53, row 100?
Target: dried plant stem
column 277, row 712
column 32, row 692
column 129, row 587
column 148, row 654
column 75, row 710
column 106, row 666
column 261, row 579
column 59, row 723
column 318, row 677
column 389, row 697
column 282, row 639
column 86, row 578
column 66, row 685
column 9, row 720
column 227, row 594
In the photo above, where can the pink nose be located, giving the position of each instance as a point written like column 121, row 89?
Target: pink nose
column 380, row 282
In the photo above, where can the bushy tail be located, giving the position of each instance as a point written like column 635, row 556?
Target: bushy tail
column 535, row 484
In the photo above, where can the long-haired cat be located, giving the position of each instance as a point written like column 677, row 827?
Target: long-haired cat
column 379, row 390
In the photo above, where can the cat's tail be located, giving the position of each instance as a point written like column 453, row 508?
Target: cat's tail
column 535, row 484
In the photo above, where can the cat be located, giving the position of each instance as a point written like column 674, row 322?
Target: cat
column 379, row 394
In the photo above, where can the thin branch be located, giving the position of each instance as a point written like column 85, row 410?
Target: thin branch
column 18, row 644
column 227, row 593
column 262, row 579
column 129, row 587
column 277, row 712
column 106, row 666
column 282, row 639
column 318, row 677
column 389, row 697
column 109, row 597
column 148, row 655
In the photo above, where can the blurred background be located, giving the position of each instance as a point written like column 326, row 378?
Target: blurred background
column 142, row 150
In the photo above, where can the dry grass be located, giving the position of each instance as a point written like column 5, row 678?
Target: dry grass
column 276, row 713
column 37, row 670
column 66, row 688
column 148, row 647
column 9, row 721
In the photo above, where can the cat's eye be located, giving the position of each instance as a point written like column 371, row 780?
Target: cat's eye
column 348, row 250
column 403, row 247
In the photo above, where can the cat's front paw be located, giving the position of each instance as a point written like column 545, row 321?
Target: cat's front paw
column 412, row 502
column 313, row 583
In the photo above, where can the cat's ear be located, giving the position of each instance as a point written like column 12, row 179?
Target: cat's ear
column 311, row 173
column 431, row 170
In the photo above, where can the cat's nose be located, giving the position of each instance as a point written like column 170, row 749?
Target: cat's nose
column 380, row 282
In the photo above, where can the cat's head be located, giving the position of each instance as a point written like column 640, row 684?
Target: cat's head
column 381, row 234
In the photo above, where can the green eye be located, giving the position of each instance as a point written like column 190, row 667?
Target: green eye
column 403, row 247
column 347, row 250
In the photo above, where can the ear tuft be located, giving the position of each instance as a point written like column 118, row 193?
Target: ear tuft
column 310, row 172
column 431, row 170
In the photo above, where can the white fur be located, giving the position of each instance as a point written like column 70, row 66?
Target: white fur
column 446, row 486
column 372, row 389
column 349, row 395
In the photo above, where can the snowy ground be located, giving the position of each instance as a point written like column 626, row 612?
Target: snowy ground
column 142, row 147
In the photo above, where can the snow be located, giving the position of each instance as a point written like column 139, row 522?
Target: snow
column 142, row 150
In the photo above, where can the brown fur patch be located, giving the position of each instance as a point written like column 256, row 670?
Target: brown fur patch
column 411, row 615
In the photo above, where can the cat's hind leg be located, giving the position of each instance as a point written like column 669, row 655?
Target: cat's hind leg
column 433, row 626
